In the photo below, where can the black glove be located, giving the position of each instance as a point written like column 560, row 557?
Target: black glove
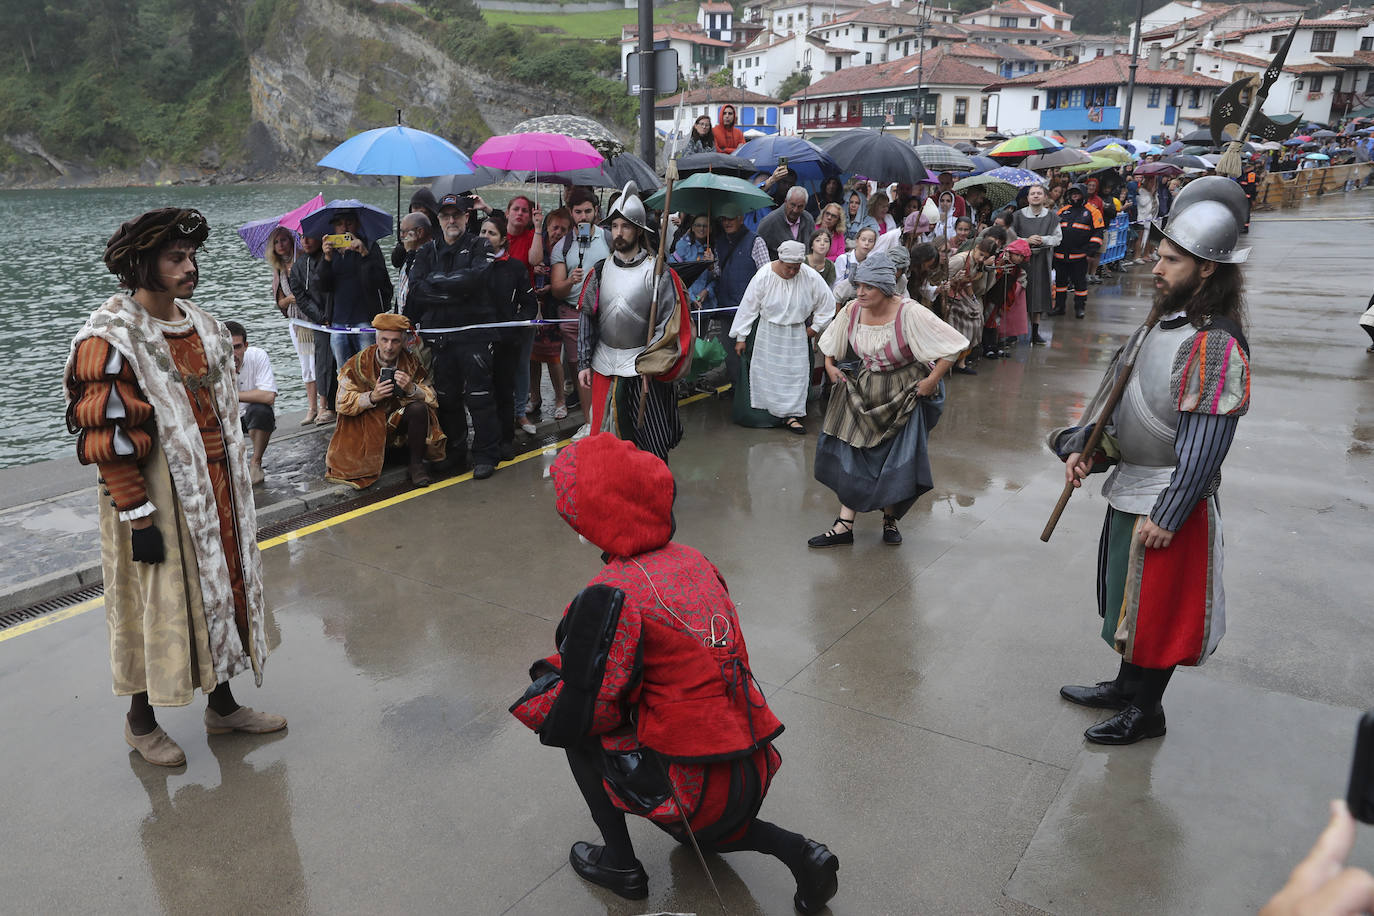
column 147, row 543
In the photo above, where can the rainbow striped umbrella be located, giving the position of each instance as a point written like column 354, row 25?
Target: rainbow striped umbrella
column 1024, row 145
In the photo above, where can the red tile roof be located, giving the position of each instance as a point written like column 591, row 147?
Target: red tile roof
column 971, row 49
column 1283, row 25
column 1109, row 71
column 940, row 69
column 692, row 34
column 717, row 94
column 711, row 6
column 1337, row 60
column 1023, row 7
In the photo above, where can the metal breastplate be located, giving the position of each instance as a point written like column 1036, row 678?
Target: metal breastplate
column 622, row 315
column 1147, row 418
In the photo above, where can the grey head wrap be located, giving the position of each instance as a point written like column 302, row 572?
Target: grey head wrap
column 900, row 257
column 878, row 271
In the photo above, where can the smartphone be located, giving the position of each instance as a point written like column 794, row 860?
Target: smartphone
column 388, row 374
column 342, row 240
column 782, row 162
column 584, row 232
column 1360, row 796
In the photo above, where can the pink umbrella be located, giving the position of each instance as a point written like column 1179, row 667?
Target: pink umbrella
column 537, row 153
column 293, row 219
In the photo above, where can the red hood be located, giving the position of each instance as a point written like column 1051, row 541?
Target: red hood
column 614, row 495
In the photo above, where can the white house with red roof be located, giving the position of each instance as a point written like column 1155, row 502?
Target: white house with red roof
column 717, row 19
column 883, row 96
column 698, row 54
column 754, row 113
column 1021, row 14
column 1087, row 100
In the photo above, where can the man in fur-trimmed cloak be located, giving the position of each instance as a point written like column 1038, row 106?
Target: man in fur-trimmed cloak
column 152, row 394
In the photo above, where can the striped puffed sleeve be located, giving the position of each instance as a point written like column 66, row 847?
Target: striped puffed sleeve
column 1211, row 375
column 108, row 412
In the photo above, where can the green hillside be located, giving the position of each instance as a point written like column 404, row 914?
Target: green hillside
column 604, row 25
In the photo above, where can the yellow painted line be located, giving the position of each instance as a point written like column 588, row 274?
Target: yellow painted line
column 297, row 534
column 50, row 619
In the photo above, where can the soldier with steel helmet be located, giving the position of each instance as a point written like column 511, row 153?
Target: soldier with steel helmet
column 629, row 348
column 1159, row 585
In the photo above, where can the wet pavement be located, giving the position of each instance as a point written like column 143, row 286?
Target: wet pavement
column 926, row 743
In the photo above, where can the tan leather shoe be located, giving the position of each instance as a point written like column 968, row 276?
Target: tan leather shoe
column 156, row 747
column 242, row 719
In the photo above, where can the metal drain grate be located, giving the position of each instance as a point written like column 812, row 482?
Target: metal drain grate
column 43, row 608
column 276, row 529
column 61, row 602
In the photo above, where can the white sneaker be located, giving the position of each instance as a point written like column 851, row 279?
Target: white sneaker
column 583, row 432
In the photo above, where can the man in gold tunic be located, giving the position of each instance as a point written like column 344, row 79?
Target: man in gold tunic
column 152, row 395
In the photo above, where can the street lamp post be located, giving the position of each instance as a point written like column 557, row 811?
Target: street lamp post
column 801, row 112
column 921, row 11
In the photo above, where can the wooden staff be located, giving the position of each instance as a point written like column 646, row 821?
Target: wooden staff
column 669, row 176
column 1099, row 426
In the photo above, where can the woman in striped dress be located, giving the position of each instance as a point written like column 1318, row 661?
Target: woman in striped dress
column 872, row 446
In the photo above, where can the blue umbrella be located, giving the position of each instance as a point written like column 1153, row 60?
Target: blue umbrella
column 1017, row 178
column 1103, row 143
column 808, row 160
column 984, row 164
column 1319, row 156
column 1293, row 141
column 397, row 151
column 376, row 222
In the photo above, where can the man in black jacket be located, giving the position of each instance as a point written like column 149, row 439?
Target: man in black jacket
column 317, row 306
column 358, row 279
column 445, row 290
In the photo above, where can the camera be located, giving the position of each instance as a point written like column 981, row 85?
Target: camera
column 343, row 240
column 467, row 201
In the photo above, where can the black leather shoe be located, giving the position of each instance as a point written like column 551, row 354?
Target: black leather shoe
column 1104, row 695
column 631, row 883
column 890, row 533
column 830, row 538
column 1038, row 341
column 483, row 471
column 507, row 451
column 965, row 370
column 1078, row 313
column 1056, row 311
column 1127, row 727
column 819, row 878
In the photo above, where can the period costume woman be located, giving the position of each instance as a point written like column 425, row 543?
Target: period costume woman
column 872, row 446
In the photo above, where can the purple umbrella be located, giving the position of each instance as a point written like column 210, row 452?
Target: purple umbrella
column 256, row 233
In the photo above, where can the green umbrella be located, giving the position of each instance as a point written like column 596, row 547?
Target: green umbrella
column 999, row 193
column 1095, row 164
column 714, row 195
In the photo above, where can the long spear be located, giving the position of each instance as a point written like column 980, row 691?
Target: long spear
column 669, row 176
column 1104, row 416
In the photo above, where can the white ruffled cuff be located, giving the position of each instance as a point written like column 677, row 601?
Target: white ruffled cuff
column 133, row 515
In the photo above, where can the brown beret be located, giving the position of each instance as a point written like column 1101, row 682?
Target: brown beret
column 390, row 321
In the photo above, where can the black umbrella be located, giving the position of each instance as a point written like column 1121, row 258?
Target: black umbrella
column 1188, row 162
column 718, row 163
column 462, row 184
column 964, row 146
column 995, row 136
column 1325, row 134
column 1203, row 135
column 613, row 173
column 877, row 155
column 1174, row 148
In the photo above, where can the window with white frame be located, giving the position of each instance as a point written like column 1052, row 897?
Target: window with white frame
column 961, row 111
column 1152, row 100
column 1323, row 40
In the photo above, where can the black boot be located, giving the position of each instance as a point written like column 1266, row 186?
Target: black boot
column 1127, row 727
column 818, row 880
column 1036, row 339
column 1080, row 306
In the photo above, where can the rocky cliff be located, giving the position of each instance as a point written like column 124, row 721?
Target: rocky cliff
column 325, row 72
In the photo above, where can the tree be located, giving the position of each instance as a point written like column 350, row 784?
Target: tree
column 793, row 84
column 724, row 77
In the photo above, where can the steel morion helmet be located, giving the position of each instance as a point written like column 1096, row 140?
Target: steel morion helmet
column 1205, row 220
column 629, row 207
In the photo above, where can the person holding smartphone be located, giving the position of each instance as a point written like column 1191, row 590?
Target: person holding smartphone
column 385, row 402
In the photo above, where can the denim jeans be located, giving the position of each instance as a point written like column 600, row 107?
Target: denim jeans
column 346, row 345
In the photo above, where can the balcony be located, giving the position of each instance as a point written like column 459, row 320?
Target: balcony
column 1080, row 119
column 831, row 122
